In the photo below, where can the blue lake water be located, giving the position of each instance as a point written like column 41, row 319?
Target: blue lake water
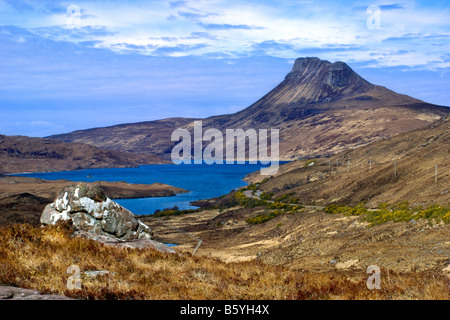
column 203, row 182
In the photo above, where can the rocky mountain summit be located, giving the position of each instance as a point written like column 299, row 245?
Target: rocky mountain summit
column 316, row 80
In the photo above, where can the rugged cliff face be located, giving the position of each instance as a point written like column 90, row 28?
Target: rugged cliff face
column 320, row 108
column 314, row 81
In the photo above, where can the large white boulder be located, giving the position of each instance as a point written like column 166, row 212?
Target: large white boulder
column 89, row 209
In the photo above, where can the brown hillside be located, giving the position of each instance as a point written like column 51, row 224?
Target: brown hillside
column 388, row 171
column 25, row 154
column 152, row 137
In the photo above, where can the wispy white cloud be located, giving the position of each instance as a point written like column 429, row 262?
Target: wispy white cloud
column 43, row 123
column 144, row 60
column 210, row 27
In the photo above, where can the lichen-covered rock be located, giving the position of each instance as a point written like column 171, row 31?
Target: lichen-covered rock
column 89, row 209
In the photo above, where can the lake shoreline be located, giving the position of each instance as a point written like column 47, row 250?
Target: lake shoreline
column 203, row 181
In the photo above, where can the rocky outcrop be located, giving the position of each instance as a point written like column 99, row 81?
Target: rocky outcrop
column 22, row 199
column 14, row 293
column 317, row 80
column 88, row 209
column 119, row 243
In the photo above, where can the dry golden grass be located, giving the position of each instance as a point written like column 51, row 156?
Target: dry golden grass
column 38, row 258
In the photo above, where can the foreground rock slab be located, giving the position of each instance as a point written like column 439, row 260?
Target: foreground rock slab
column 14, row 293
column 135, row 244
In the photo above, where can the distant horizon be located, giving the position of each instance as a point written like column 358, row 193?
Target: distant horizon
column 111, row 64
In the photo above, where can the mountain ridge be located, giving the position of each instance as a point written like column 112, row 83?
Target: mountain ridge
column 27, row 154
column 320, row 108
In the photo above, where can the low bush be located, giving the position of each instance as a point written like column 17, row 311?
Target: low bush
column 309, row 163
column 261, row 218
column 360, row 209
column 284, row 197
column 398, row 212
column 249, row 202
column 403, row 212
column 266, row 196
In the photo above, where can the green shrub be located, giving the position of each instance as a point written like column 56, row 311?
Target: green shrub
column 276, row 208
column 284, row 197
column 261, row 218
column 309, row 163
column 360, row 209
column 399, row 212
column 249, row 202
column 276, row 211
column 266, row 196
column 240, row 197
column 252, row 186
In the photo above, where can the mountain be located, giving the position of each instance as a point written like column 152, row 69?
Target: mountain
column 412, row 166
column 320, row 108
column 26, row 154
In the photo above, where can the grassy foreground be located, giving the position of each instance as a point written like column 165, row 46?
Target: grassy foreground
column 38, row 258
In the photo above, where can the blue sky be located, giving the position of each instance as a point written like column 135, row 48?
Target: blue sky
column 129, row 61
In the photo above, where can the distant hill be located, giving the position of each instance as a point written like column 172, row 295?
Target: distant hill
column 320, row 108
column 151, row 137
column 26, row 154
